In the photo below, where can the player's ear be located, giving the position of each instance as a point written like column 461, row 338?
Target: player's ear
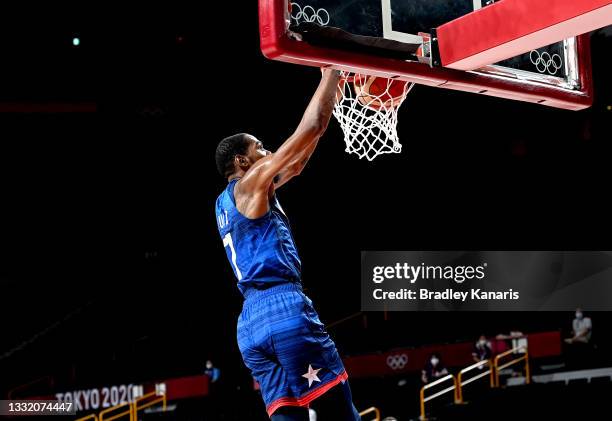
column 241, row 161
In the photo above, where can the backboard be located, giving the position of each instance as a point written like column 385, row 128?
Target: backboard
column 558, row 75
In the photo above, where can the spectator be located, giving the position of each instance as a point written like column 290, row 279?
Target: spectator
column 514, row 334
column 215, row 394
column 581, row 329
column 482, row 350
column 514, row 340
column 434, row 369
column 212, row 372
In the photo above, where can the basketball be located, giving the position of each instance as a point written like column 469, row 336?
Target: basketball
column 376, row 93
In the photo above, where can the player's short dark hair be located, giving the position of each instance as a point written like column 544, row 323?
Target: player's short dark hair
column 227, row 149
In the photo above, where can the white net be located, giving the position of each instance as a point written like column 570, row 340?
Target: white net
column 366, row 109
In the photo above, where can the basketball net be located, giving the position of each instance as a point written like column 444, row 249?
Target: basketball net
column 369, row 121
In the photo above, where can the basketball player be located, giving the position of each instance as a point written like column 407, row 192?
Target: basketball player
column 280, row 336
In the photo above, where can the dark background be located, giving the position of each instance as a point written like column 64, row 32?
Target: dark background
column 111, row 268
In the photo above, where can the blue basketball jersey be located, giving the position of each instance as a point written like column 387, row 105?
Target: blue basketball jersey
column 261, row 251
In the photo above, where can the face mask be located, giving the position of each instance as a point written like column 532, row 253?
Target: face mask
column 209, row 366
column 434, row 361
column 578, row 315
column 482, row 342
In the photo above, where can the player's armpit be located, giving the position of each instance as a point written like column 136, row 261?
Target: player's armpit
column 295, row 168
column 284, row 176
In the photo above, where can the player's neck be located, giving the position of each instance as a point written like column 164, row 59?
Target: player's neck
column 238, row 173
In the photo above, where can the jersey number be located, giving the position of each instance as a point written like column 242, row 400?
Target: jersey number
column 227, row 241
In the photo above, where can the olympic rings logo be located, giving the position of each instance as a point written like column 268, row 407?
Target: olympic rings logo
column 309, row 14
column 544, row 62
column 397, row 362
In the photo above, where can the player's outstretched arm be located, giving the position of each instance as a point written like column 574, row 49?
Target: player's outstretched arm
column 296, row 167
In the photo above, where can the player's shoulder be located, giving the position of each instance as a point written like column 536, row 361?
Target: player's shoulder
column 223, row 196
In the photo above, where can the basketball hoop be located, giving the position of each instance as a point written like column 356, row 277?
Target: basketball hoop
column 366, row 109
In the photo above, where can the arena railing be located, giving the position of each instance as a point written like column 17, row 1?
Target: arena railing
column 158, row 398
column 461, row 382
column 424, row 399
column 497, row 368
column 104, row 417
column 369, row 411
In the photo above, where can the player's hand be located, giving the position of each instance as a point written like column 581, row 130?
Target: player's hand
column 329, row 72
